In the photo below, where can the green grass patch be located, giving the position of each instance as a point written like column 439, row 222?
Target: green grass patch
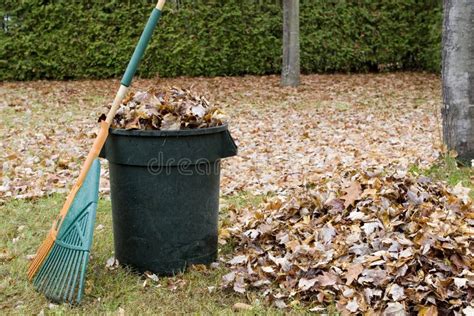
column 449, row 170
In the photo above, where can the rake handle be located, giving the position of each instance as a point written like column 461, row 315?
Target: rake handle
column 47, row 244
column 121, row 93
column 142, row 44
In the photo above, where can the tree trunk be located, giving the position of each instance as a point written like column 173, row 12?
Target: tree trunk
column 290, row 74
column 458, row 78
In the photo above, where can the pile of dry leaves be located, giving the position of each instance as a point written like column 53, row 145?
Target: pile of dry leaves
column 171, row 109
column 372, row 243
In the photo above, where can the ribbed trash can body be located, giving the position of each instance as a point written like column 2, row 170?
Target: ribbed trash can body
column 164, row 188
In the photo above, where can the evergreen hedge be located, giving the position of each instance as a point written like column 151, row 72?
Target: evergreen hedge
column 46, row 39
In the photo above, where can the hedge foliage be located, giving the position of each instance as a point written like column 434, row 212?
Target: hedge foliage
column 95, row 39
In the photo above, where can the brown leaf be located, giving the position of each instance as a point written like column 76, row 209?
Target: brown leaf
column 238, row 260
column 353, row 272
column 327, row 279
column 336, row 204
column 394, row 309
column 397, row 292
column 170, row 122
column 241, row 306
column 239, row 284
column 306, row 284
column 430, row 310
column 112, row 263
column 151, row 276
column 353, row 193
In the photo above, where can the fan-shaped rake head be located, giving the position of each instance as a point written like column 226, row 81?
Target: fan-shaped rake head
column 62, row 276
column 61, row 272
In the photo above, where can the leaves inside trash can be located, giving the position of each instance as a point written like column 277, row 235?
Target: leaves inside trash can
column 171, row 109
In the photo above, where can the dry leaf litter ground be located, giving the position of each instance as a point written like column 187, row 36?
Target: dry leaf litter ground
column 286, row 137
column 347, row 226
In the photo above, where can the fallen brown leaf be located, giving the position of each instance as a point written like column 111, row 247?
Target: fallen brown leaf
column 353, row 272
column 353, row 192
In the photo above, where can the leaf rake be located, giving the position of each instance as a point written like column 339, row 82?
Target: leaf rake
column 61, row 277
column 59, row 267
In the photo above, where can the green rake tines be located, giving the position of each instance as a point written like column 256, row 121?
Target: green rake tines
column 62, row 275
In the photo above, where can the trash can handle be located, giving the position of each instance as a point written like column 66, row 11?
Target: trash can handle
column 229, row 148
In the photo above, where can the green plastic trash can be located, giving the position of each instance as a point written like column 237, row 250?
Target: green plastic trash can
column 164, row 189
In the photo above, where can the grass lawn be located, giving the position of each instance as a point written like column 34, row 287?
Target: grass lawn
column 195, row 291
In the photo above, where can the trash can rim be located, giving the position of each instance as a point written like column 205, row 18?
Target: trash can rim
column 158, row 133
